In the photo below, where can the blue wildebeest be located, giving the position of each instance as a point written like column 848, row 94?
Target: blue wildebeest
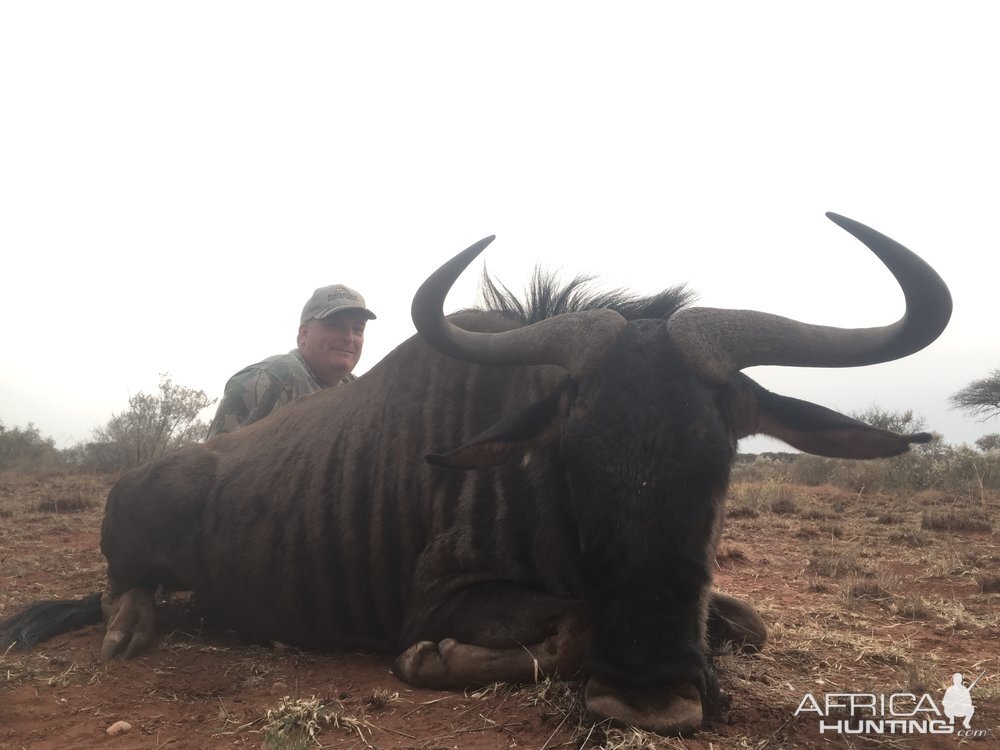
column 570, row 525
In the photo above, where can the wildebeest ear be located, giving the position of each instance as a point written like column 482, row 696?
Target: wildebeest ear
column 510, row 439
column 824, row 432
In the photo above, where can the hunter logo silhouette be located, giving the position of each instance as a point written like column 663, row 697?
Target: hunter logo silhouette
column 957, row 701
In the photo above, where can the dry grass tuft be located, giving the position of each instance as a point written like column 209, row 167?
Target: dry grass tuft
column 921, row 677
column 493, row 690
column 817, row 586
column 735, row 510
column 834, row 565
column 13, row 667
column 912, row 608
column 381, row 698
column 953, row 520
column 18, row 667
column 732, row 553
column 557, row 700
column 915, row 539
column 749, row 500
column 784, row 506
column 633, row 739
column 252, row 673
column 800, row 644
column 833, row 529
column 950, row 563
column 297, row 723
column 880, row 589
column 956, row 617
column 815, row 514
column 63, row 678
column 988, row 688
column 55, row 504
column 989, row 583
column 807, row 532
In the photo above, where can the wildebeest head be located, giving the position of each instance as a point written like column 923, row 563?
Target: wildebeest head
column 647, row 422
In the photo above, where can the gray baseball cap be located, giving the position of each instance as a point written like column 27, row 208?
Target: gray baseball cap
column 328, row 300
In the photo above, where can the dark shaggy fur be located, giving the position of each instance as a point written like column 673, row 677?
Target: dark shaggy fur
column 545, row 298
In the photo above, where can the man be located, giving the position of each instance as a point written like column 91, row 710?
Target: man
column 331, row 336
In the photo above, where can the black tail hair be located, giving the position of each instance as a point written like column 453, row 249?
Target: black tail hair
column 43, row 620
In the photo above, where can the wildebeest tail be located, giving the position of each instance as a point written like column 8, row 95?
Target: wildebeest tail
column 42, row 620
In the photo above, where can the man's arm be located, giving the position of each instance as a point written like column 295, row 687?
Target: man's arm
column 255, row 392
column 249, row 396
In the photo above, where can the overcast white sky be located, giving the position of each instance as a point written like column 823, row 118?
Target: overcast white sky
column 176, row 178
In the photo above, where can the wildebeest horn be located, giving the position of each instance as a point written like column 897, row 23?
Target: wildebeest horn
column 719, row 343
column 573, row 341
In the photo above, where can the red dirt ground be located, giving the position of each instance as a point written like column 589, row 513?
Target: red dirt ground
column 205, row 688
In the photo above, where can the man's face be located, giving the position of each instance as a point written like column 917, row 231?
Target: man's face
column 332, row 345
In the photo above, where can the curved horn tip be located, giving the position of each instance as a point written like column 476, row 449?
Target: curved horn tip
column 863, row 232
column 475, row 248
column 841, row 221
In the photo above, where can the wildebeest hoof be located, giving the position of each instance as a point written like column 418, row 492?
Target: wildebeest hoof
column 665, row 710
column 424, row 663
column 131, row 617
column 735, row 621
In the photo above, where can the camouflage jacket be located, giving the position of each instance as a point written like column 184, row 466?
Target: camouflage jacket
column 257, row 390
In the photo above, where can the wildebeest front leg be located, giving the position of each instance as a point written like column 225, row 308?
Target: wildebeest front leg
column 130, row 615
column 450, row 664
column 494, row 632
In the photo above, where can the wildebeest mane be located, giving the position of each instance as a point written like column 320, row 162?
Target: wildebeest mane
column 546, row 297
